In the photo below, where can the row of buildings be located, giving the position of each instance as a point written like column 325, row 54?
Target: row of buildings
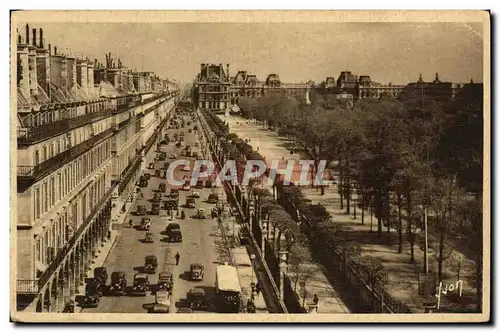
column 214, row 89
column 85, row 130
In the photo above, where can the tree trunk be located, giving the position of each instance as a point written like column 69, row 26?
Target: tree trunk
column 362, row 209
column 400, row 223
column 348, row 189
column 409, row 208
column 341, row 185
column 441, row 249
column 354, row 206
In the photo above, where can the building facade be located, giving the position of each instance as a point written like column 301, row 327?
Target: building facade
column 84, row 133
column 215, row 90
column 212, row 87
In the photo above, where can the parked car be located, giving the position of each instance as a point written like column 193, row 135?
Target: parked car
column 175, row 235
column 141, row 210
column 157, row 197
column 162, row 187
column 213, row 198
column 165, row 281
column 190, row 202
column 145, row 224
column 197, row 271
column 158, row 308
column 118, row 283
column 162, row 297
column 149, row 237
column 141, row 284
column 155, row 208
column 201, row 214
column 200, row 184
column 150, row 264
column 174, row 193
column 196, row 299
column 186, row 186
column 195, row 194
column 100, row 275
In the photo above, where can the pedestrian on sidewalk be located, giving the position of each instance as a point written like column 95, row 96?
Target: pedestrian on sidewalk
column 130, row 222
column 177, row 257
column 315, row 301
column 257, row 287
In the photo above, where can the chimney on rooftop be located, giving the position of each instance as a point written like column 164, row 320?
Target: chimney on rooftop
column 27, row 34
column 34, row 37
column 41, row 38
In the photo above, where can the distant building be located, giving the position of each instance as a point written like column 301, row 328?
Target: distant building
column 212, row 88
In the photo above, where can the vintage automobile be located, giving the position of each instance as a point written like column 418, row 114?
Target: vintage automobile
column 197, row 144
column 155, row 208
column 162, row 297
column 196, row 299
column 157, row 308
column 141, row 284
column 194, row 154
column 93, row 289
column 174, row 193
column 182, row 133
column 162, row 187
column 90, row 301
column 213, row 198
column 166, row 165
column 150, row 264
column 118, row 283
column 175, row 235
column 171, row 203
column 195, row 128
column 208, row 184
column 149, row 237
column 200, row 184
column 197, row 271
column 145, row 224
column 184, row 311
column 143, row 182
column 165, row 281
column 187, row 153
column 178, row 145
column 186, row 186
column 141, row 210
column 100, row 275
column 190, row 202
column 157, row 173
column 195, row 194
column 157, row 197
column 147, row 176
column 190, row 130
column 201, row 214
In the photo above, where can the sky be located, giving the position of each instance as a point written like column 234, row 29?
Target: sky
column 297, row 52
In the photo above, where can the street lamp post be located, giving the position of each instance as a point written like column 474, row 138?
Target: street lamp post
column 252, row 258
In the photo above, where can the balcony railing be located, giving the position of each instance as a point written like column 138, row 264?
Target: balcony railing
column 35, row 286
column 30, row 135
column 27, row 286
column 127, row 173
column 34, row 173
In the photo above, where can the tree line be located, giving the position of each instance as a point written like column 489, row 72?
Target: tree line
column 397, row 159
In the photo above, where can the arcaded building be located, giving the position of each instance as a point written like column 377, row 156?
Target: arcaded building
column 211, row 88
column 84, row 131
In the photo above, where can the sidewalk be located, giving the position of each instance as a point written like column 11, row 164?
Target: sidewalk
column 103, row 253
column 247, row 275
column 330, row 301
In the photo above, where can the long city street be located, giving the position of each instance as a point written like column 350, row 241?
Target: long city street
column 202, row 243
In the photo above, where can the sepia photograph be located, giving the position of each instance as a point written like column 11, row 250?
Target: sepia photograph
column 250, row 166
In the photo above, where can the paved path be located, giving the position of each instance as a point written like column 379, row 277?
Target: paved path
column 403, row 276
column 270, row 147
